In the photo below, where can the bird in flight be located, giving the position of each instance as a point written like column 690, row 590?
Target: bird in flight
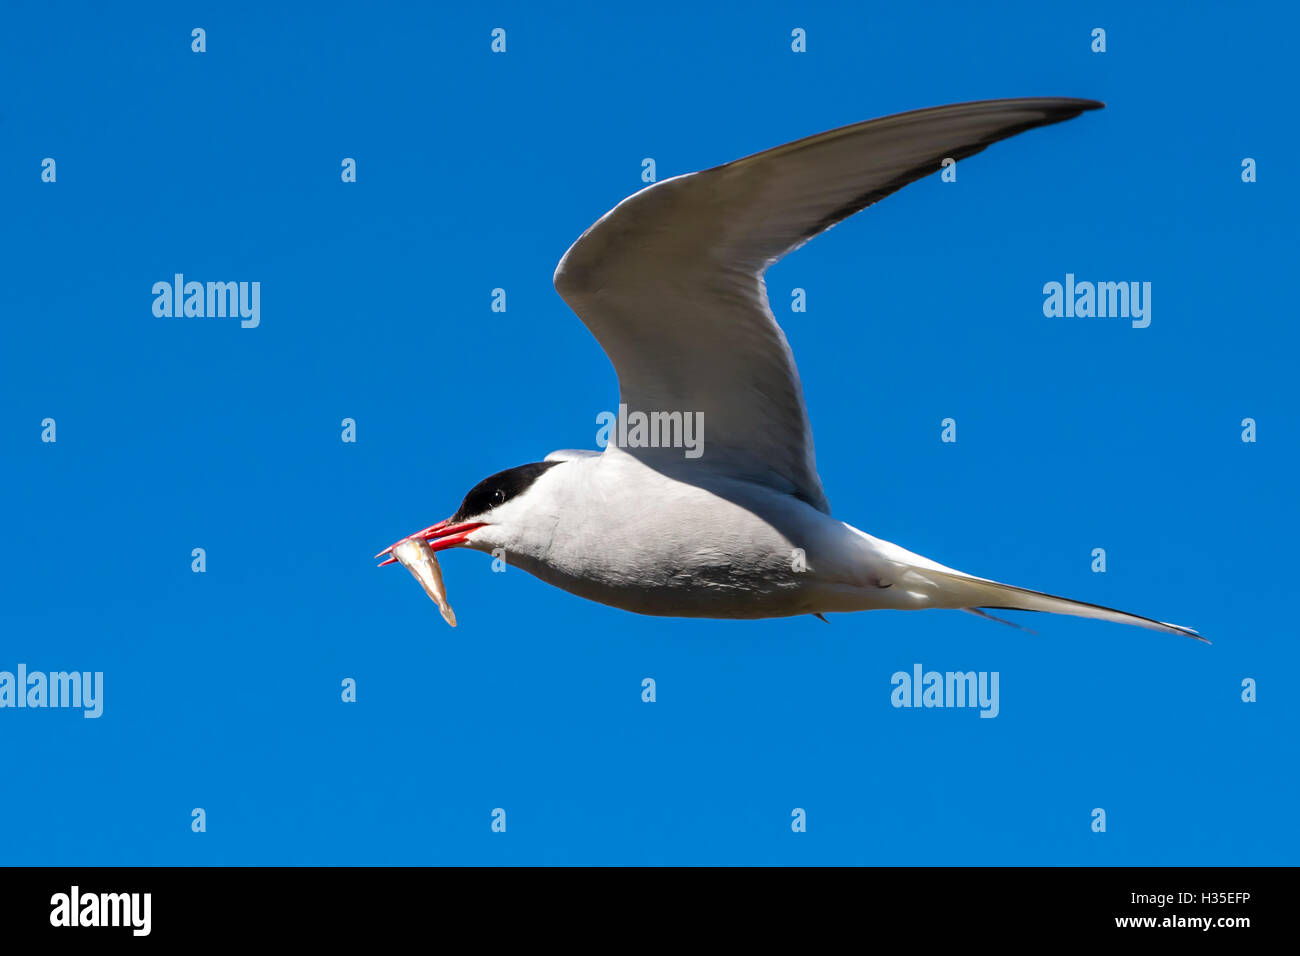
column 670, row 282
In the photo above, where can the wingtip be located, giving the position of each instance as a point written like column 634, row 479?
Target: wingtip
column 1073, row 102
column 1188, row 632
column 1061, row 108
column 1068, row 108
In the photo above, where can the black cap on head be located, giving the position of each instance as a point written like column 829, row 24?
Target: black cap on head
column 496, row 490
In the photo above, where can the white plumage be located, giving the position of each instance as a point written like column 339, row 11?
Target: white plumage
column 670, row 282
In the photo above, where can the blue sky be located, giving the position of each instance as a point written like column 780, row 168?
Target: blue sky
column 476, row 171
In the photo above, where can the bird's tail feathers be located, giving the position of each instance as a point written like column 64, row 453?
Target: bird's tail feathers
column 968, row 592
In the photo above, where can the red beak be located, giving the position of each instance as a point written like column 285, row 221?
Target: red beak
column 440, row 536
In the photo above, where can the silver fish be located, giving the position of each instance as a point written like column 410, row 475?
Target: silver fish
column 418, row 558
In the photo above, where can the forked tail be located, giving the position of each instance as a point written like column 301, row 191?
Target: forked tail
column 953, row 589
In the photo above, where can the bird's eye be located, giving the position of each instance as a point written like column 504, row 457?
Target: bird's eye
column 496, row 490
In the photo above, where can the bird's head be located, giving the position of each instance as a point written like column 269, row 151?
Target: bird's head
column 499, row 511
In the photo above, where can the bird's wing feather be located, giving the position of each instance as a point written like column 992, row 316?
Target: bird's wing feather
column 670, row 281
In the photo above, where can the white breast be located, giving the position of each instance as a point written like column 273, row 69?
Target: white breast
column 615, row 530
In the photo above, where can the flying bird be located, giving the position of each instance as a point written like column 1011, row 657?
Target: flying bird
column 670, row 282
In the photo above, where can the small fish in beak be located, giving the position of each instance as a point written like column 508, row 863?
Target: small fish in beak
column 417, row 557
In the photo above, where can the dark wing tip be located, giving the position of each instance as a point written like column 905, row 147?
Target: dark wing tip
column 1056, row 103
column 1058, row 109
column 1074, row 102
column 1070, row 108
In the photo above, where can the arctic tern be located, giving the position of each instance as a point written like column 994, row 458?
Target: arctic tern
column 670, row 282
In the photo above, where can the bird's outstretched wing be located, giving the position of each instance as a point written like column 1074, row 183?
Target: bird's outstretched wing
column 670, row 281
